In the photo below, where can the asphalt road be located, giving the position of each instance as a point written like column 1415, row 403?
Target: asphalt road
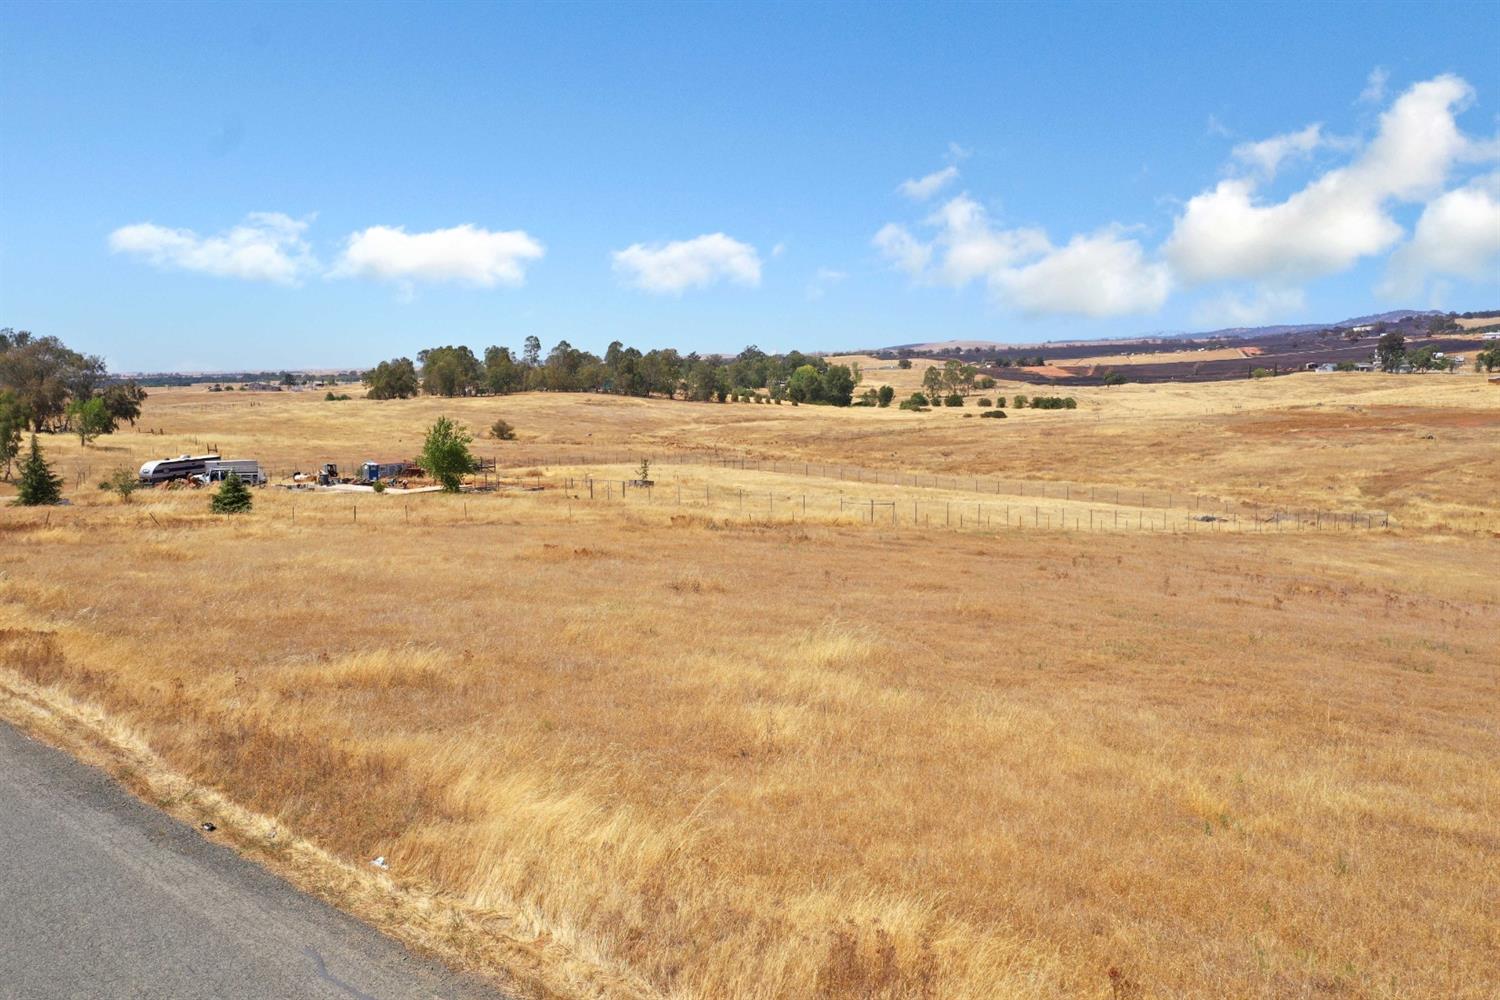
column 102, row 896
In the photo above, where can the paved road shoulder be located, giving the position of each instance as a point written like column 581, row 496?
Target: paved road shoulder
column 102, row 895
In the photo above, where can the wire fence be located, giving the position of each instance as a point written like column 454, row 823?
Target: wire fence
column 1069, row 492
column 896, row 511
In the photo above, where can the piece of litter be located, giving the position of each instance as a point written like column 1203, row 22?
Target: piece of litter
column 380, row 863
column 207, row 827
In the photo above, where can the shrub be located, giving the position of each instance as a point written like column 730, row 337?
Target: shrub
column 1000, row 402
column 233, row 497
column 1261, row 373
column 986, row 401
column 1070, row 403
column 918, row 399
column 122, row 482
column 1019, row 402
column 1114, row 378
column 500, row 430
column 378, row 486
column 332, row 398
column 913, row 405
column 953, row 399
column 993, row 413
column 885, row 395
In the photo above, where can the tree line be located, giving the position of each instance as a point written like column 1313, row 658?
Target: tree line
column 458, row 371
column 47, row 387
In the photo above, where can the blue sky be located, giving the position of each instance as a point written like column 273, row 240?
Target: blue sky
column 222, row 186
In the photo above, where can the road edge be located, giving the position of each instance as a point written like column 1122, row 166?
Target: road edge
column 510, row 953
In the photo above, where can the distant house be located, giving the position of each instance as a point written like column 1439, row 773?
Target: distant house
column 1491, row 336
column 1364, row 366
column 1366, row 328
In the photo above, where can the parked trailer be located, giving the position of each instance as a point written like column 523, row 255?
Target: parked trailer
column 374, row 471
column 166, row 469
column 248, row 469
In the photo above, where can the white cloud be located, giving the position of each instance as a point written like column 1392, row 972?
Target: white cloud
column 1458, row 235
column 902, row 249
column 1100, row 274
column 822, row 279
column 922, row 188
column 466, row 254
column 1375, row 85
column 267, row 246
column 672, row 268
column 1340, row 216
column 1263, row 304
column 1266, row 155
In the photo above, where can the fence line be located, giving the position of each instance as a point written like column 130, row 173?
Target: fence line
column 1161, row 500
column 952, row 514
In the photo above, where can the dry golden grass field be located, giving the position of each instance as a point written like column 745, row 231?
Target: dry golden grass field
column 660, row 747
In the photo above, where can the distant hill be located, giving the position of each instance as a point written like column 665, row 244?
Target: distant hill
column 1228, row 333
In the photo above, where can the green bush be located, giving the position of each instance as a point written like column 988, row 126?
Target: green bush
column 885, row 395
column 501, row 430
column 123, row 482
column 986, row 401
column 1000, row 402
column 233, row 497
column 953, row 399
column 993, row 413
column 1070, row 403
column 919, row 399
column 1019, row 402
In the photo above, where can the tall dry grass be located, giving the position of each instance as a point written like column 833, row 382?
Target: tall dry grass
column 721, row 759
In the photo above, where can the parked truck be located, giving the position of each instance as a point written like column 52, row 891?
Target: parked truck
column 248, row 469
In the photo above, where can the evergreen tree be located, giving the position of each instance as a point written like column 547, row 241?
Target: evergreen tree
column 233, row 497
column 38, row 486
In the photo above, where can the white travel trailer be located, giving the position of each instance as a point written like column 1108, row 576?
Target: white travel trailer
column 248, row 469
column 165, row 469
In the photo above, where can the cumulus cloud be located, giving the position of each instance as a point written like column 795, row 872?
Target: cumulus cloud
column 1105, row 273
column 1340, row 216
column 1458, row 235
column 465, row 254
column 1102, row 274
column 1266, row 155
column 267, row 246
column 672, row 268
column 923, row 188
